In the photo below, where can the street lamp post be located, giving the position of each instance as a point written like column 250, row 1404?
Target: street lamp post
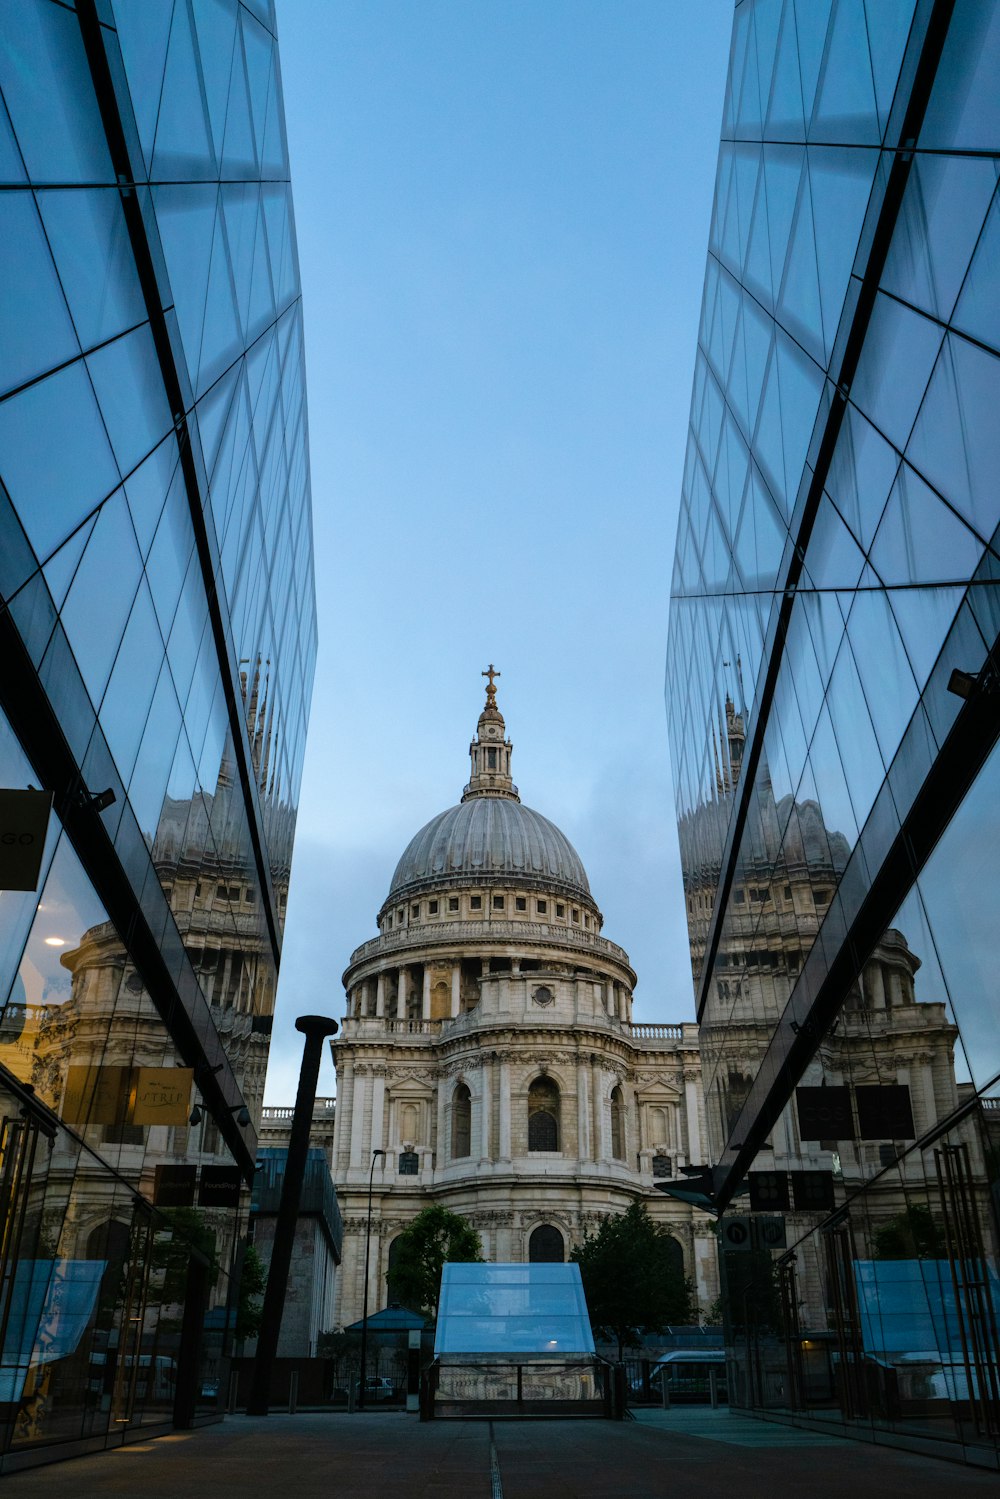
column 315, row 1028
column 364, row 1309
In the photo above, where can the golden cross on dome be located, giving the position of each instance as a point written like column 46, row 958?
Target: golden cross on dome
column 491, row 690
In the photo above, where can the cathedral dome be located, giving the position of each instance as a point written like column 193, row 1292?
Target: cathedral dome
column 490, row 838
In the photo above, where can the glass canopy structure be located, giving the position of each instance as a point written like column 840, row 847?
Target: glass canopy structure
column 503, row 1310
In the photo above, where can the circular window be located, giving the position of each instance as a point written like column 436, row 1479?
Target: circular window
column 543, row 996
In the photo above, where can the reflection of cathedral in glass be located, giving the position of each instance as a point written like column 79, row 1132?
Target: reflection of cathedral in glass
column 158, row 635
column 832, row 706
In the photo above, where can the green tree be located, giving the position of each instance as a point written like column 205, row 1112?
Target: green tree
column 337, row 1344
column 434, row 1238
column 171, row 1251
column 911, row 1235
column 631, row 1278
column 248, row 1305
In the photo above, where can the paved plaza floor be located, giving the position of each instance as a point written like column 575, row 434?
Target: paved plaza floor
column 392, row 1456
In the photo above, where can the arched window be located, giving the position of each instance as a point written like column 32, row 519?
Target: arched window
column 543, row 1115
column 391, row 1295
column 736, row 1090
column 617, row 1124
column 675, row 1255
column 545, row 1246
column 461, row 1123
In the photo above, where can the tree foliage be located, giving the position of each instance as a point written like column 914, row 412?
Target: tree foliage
column 912, row 1234
column 434, row 1238
column 171, row 1252
column 335, row 1343
column 632, row 1279
column 252, row 1282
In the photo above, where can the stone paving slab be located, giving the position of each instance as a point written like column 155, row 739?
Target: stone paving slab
column 384, row 1455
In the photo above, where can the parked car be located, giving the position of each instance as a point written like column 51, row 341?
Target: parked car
column 376, row 1388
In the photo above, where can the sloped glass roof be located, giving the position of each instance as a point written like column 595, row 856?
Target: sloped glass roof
column 513, row 1309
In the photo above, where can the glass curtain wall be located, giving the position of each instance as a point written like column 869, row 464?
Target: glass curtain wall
column 158, row 634
column 833, row 709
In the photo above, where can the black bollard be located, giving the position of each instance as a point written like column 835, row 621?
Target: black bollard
column 315, row 1028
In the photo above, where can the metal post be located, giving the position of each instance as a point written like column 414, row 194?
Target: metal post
column 315, row 1028
column 713, row 1388
column 293, row 1392
column 364, row 1311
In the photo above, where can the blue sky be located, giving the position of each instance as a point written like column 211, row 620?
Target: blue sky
column 503, row 211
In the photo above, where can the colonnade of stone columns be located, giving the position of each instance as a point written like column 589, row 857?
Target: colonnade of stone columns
column 391, row 1000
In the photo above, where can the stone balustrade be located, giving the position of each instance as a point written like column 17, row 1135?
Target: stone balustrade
column 458, row 934
column 644, row 1032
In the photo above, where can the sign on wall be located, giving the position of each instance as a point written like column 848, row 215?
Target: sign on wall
column 161, row 1095
column 824, row 1113
column 884, row 1112
column 24, row 823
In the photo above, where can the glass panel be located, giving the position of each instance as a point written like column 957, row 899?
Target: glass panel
column 861, row 475
column 94, row 615
column 958, row 886
column 943, row 211
column 92, row 251
column 920, row 538
column 888, row 27
column 899, row 354
column 129, row 386
column 48, row 90
column 54, row 485
column 133, row 681
column 855, row 735
column 845, row 111
column 890, row 690
column 964, row 109
column 841, row 184
column 143, row 32
column 215, row 27
column 156, row 754
column 799, row 307
column 185, row 217
column 183, row 146
column 955, row 443
column 978, row 310
column 35, row 329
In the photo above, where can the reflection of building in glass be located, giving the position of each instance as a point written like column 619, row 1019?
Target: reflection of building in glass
column 489, row 1049
column 833, row 714
column 157, row 630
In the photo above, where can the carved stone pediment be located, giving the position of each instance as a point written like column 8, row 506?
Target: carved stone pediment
column 406, row 1080
column 650, row 1088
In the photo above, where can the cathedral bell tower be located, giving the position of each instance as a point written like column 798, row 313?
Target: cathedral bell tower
column 490, row 751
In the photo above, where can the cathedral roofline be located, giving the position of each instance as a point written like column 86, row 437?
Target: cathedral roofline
column 490, row 839
column 490, row 751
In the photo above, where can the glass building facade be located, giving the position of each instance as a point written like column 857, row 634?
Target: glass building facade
column 157, row 647
column 833, row 704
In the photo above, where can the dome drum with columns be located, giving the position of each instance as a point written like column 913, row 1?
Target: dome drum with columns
column 489, row 1048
